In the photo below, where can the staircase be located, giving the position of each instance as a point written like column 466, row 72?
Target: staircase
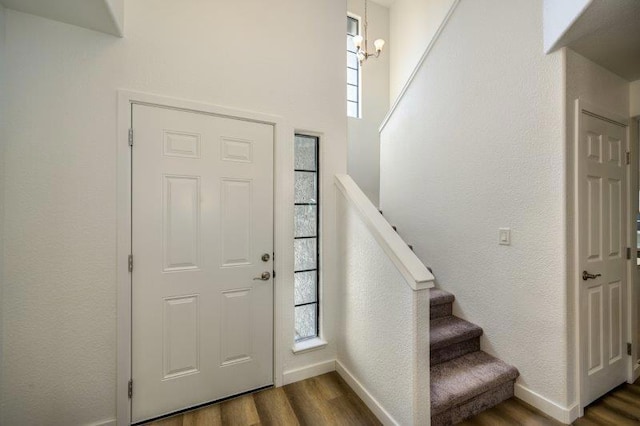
column 464, row 380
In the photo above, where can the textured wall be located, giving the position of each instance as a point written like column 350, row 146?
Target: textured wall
column 377, row 313
column 413, row 25
column 477, row 144
column 591, row 82
column 59, row 300
column 363, row 136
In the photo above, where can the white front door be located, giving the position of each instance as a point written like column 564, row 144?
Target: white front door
column 602, row 218
column 202, row 231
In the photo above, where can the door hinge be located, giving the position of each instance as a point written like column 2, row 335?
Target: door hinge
column 628, row 157
column 130, row 389
column 131, row 137
column 628, row 253
column 629, row 352
column 274, row 274
column 130, row 262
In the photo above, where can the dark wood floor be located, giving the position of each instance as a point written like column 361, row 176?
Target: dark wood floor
column 322, row 400
column 619, row 407
column 328, row 400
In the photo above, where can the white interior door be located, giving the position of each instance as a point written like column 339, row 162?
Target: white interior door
column 602, row 216
column 202, row 219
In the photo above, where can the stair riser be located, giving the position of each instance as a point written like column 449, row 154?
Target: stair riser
column 476, row 405
column 439, row 311
column 454, row 351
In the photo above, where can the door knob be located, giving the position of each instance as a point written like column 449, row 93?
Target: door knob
column 264, row 277
column 265, row 257
column 588, row 276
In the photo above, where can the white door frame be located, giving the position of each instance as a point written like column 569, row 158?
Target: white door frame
column 634, row 142
column 283, row 223
column 581, row 106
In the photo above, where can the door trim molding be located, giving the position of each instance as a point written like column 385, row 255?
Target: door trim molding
column 593, row 109
column 283, row 220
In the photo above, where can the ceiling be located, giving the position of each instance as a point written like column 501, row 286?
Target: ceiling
column 99, row 15
column 608, row 33
column 385, row 3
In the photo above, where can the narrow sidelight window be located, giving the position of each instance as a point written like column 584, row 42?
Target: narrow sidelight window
column 306, row 241
column 353, row 69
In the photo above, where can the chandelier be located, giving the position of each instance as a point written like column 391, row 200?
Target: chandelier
column 358, row 40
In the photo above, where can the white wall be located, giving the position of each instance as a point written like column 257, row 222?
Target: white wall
column 413, row 25
column 635, row 98
column 3, row 114
column 382, row 322
column 590, row 82
column 363, row 136
column 59, row 301
column 559, row 15
column 476, row 144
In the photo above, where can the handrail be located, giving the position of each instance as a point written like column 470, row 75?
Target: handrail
column 412, row 269
column 418, row 65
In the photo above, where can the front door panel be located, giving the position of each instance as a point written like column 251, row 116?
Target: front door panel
column 202, row 217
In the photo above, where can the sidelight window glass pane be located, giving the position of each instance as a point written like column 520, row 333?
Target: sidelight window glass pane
column 305, row 221
column 305, row 187
column 305, row 254
column 306, row 321
column 305, row 158
column 305, row 287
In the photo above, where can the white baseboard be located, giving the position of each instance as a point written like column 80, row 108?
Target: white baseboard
column 377, row 409
column 110, row 422
column 562, row 414
column 636, row 372
column 292, row 376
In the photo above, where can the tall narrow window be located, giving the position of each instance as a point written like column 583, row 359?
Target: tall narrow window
column 353, row 69
column 306, row 242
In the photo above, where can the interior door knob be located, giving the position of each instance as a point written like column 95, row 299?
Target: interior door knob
column 264, row 277
column 588, row 276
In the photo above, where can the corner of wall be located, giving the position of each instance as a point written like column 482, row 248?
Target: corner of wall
column 116, row 10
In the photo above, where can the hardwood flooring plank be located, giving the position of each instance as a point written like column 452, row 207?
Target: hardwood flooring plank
column 350, row 411
column 308, row 404
column 585, row 421
column 628, row 396
column 491, row 417
column 274, row 408
column 239, row 412
column 353, row 402
column 635, row 388
column 169, row 421
column 522, row 414
column 601, row 413
column 622, row 407
column 206, row 416
column 330, row 385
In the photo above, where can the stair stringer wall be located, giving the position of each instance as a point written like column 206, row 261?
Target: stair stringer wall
column 477, row 143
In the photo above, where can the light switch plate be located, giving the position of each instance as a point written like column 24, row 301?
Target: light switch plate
column 504, row 236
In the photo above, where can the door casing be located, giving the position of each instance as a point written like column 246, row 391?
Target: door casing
column 584, row 106
column 283, row 224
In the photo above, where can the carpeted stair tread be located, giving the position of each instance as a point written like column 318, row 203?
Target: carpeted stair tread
column 440, row 297
column 451, row 330
column 459, row 380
